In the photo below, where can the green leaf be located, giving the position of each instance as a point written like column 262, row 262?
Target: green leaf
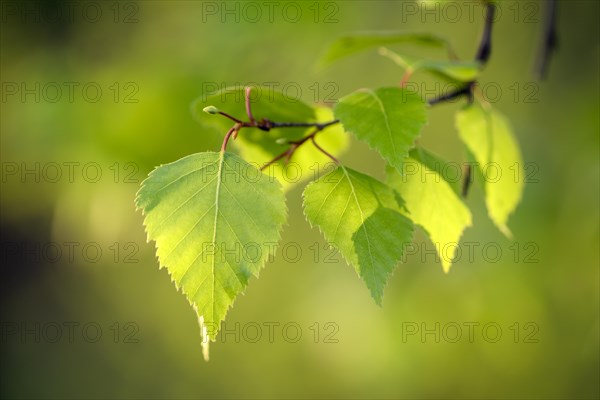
column 461, row 71
column 215, row 220
column 452, row 173
column 361, row 217
column 489, row 138
column 354, row 43
column 388, row 119
column 432, row 203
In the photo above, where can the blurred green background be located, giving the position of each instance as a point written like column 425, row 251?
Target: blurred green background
column 163, row 55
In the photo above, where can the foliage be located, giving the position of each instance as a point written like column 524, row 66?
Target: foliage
column 208, row 211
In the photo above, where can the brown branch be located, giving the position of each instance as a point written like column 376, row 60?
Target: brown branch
column 233, row 131
column 296, row 144
column 266, row 125
column 234, row 119
column 466, row 90
column 248, row 106
column 287, row 153
column 322, row 150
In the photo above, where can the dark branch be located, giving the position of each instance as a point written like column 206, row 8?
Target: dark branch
column 466, row 90
column 483, row 55
column 466, row 185
column 267, row 125
column 549, row 40
column 485, row 46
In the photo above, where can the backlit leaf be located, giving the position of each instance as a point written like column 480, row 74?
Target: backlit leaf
column 215, row 220
column 388, row 119
column 489, row 138
column 362, row 218
column 432, row 203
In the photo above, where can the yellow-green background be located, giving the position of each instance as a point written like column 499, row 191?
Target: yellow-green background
column 169, row 53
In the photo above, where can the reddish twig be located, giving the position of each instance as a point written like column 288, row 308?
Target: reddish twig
column 323, row 150
column 294, row 145
column 233, row 131
column 266, row 125
column 248, row 106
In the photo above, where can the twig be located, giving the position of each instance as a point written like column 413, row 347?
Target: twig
column 233, row 131
column 549, row 40
column 266, row 125
column 407, row 74
column 234, row 119
column 466, row 90
column 483, row 55
column 466, row 185
column 322, row 150
column 248, row 106
column 296, row 144
column 485, row 45
column 286, row 153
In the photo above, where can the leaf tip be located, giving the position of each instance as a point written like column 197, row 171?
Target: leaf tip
column 204, row 336
column 505, row 231
column 446, row 267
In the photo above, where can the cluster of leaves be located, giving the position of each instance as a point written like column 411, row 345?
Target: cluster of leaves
column 216, row 216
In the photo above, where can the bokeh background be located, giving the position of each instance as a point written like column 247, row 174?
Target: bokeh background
column 151, row 59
